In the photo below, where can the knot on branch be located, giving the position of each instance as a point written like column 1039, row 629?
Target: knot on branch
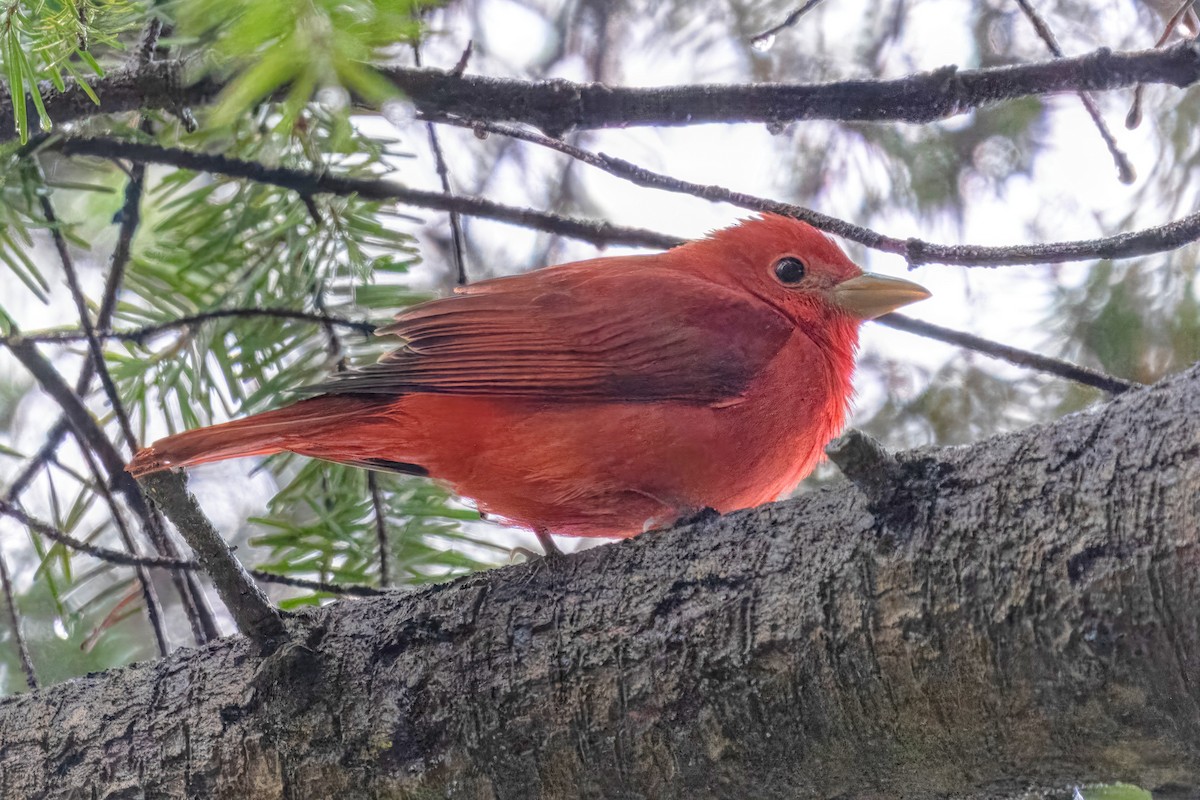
column 914, row 252
column 863, row 460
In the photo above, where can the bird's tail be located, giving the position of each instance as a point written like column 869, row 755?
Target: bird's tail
column 263, row 434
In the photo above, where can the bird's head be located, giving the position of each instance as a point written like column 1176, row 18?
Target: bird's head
column 798, row 270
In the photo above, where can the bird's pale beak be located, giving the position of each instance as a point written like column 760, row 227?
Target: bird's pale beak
column 869, row 295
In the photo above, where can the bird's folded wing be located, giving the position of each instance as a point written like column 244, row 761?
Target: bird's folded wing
column 604, row 333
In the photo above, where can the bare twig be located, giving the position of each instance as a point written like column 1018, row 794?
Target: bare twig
column 345, row 589
column 44, row 455
column 558, row 106
column 1184, row 12
column 1125, row 171
column 14, row 622
column 1013, row 355
column 1157, row 239
column 791, row 19
column 147, row 332
column 253, row 613
column 102, row 553
column 174, row 564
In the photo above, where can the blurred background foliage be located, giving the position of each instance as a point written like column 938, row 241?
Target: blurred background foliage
column 1029, row 170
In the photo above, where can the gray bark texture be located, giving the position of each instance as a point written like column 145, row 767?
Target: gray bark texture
column 1016, row 616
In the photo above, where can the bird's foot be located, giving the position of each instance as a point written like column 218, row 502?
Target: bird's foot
column 549, row 548
column 706, row 514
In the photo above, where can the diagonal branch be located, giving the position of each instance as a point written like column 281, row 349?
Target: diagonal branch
column 14, row 623
column 1125, row 171
column 310, row 183
column 92, row 436
column 256, row 618
column 1013, row 355
column 1156, row 239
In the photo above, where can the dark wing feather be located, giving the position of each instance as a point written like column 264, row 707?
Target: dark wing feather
column 580, row 332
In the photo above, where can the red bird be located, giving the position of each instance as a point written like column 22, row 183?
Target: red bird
column 603, row 397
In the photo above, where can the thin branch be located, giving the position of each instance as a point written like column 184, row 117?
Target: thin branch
column 173, row 564
column 14, row 622
column 142, row 335
column 130, row 216
column 558, row 106
column 345, row 589
column 443, row 172
column 1184, row 12
column 44, row 455
column 107, row 554
column 95, row 350
column 1013, row 355
column 916, row 252
column 154, row 611
column 253, row 613
column 763, row 39
column 381, row 531
column 1125, row 171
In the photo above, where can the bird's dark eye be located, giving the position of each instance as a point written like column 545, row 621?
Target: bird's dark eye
column 790, row 271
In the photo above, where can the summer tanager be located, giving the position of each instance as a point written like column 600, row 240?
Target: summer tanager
column 603, row 397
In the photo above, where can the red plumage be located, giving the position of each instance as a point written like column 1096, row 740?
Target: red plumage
column 605, row 396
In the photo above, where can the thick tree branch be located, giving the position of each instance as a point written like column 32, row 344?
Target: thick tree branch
column 1013, row 616
column 558, row 106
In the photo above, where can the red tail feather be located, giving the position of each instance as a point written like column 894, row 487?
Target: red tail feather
column 259, row 435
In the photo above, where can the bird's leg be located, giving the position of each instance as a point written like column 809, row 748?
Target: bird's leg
column 551, row 550
column 547, row 542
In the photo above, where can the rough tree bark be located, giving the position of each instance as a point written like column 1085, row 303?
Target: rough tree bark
column 974, row 622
